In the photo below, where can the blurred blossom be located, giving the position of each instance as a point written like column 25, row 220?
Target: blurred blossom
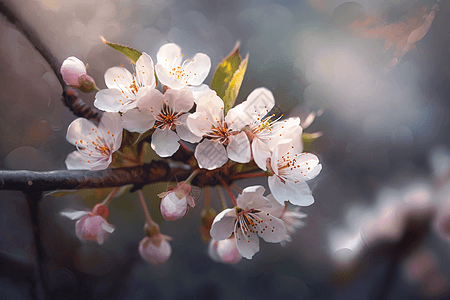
column 386, row 221
column 224, row 251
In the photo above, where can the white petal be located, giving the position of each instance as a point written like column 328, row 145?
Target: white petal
column 145, row 72
column 183, row 130
column 199, row 123
column 252, row 198
column 297, row 193
column 111, row 128
column 211, row 105
column 108, row 227
column 77, row 161
column 210, row 155
column 275, row 231
column 165, row 142
column 121, row 79
column 239, row 148
column 179, row 100
column 112, row 100
column 223, row 224
column 166, row 79
column 199, row 90
column 74, row 214
column 261, row 153
column 78, row 132
column 278, row 189
column 277, row 208
column 101, row 164
column 257, row 105
column 198, row 69
column 151, row 100
column 135, row 120
column 248, row 244
column 169, row 56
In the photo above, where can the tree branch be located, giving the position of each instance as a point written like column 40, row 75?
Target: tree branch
column 69, row 98
column 27, row 181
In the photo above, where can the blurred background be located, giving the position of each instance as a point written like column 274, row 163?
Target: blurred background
column 379, row 227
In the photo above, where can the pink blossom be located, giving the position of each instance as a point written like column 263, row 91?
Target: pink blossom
column 224, row 251
column 155, row 250
column 174, row 203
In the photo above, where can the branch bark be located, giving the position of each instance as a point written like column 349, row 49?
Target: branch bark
column 28, row 181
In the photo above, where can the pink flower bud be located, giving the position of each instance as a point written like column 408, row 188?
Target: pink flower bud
column 155, row 250
column 224, row 251
column 74, row 75
column 174, row 203
column 93, row 228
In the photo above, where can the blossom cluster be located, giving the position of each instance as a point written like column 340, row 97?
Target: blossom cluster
column 185, row 109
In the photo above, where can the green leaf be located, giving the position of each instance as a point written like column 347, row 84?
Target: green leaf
column 309, row 139
column 225, row 71
column 235, row 84
column 131, row 53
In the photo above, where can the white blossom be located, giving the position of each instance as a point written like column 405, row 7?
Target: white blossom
column 95, row 145
column 291, row 169
column 209, row 122
column 125, row 89
column 247, row 221
column 174, row 73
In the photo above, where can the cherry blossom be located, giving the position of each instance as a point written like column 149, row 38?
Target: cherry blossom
column 290, row 217
column 174, row 73
column 91, row 226
column 290, row 168
column 74, row 75
column 247, row 221
column 224, row 251
column 95, row 145
column 124, row 88
column 164, row 112
column 174, row 203
column 156, row 249
column 209, row 122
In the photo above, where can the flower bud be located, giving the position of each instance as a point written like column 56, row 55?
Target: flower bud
column 155, row 250
column 74, row 75
column 174, row 203
column 224, row 251
column 93, row 227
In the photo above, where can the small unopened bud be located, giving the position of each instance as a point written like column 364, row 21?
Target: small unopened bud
column 93, row 226
column 155, row 250
column 174, row 202
column 224, row 251
column 74, row 75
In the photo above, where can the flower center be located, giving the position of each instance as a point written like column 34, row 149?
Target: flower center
column 221, row 133
column 167, row 117
column 289, row 167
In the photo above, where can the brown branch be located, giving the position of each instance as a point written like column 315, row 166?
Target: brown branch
column 27, row 181
column 70, row 99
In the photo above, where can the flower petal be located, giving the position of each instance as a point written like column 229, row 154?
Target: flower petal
column 173, row 208
column 112, row 100
column 121, row 79
column 211, row 105
column 199, row 123
column 179, row 100
column 261, row 153
column 198, row 90
column 169, row 56
column 183, row 130
column 111, row 128
column 223, row 224
column 166, row 78
column 77, row 161
column 75, row 214
column 272, row 229
column 247, row 245
column 165, row 142
column 198, row 69
column 252, row 198
column 145, row 71
column 151, row 100
column 239, row 148
column 135, row 120
column 277, row 208
column 210, row 155
column 78, row 132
